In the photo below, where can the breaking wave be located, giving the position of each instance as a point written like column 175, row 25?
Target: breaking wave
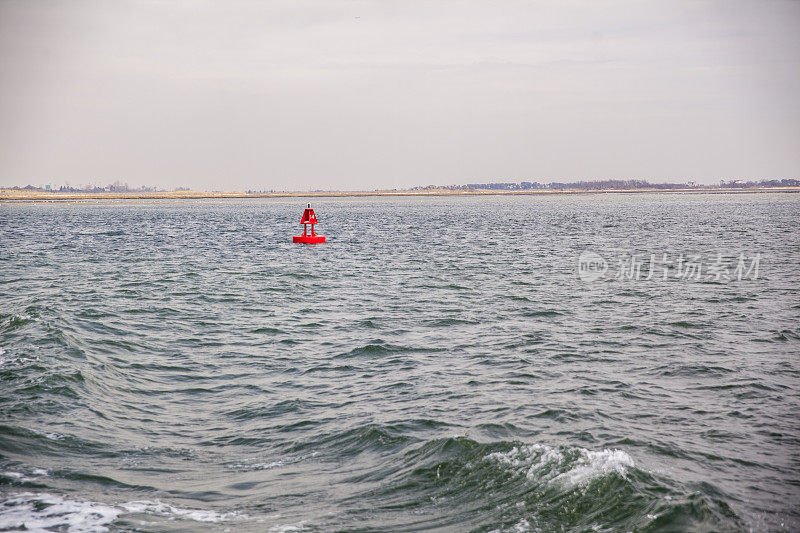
column 52, row 512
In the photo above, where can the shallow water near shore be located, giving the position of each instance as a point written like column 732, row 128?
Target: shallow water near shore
column 438, row 364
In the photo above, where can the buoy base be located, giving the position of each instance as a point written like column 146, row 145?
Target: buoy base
column 309, row 239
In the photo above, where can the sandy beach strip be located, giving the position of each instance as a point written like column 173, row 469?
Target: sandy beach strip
column 45, row 196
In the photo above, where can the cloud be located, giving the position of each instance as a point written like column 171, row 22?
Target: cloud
column 354, row 95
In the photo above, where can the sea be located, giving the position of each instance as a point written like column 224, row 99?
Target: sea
column 571, row 363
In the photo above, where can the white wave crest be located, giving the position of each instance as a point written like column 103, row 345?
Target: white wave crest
column 24, row 477
column 557, row 465
column 40, row 512
column 16, row 360
column 593, row 464
column 162, row 509
column 287, row 528
column 48, row 512
column 256, row 466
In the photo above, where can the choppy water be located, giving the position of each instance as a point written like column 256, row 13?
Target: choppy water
column 438, row 364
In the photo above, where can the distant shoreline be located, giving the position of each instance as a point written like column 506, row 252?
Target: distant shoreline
column 44, row 196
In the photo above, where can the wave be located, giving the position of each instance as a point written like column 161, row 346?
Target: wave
column 540, row 313
column 23, row 476
column 397, row 479
column 257, row 463
column 39, row 512
column 156, row 507
column 349, row 443
column 10, row 323
column 578, row 466
column 44, row 511
column 379, row 347
column 447, row 322
column 459, row 483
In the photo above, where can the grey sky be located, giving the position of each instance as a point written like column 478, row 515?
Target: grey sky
column 382, row 94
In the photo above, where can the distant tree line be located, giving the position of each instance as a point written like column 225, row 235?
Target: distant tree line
column 596, row 185
column 620, row 184
column 763, row 183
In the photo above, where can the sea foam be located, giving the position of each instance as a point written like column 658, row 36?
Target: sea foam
column 162, row 509
column 570, row 466
column 46, row 512
column 40, row 512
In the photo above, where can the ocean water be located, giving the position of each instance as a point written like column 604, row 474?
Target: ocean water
column 439, row 364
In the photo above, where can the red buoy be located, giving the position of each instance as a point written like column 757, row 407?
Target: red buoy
column 308, row 218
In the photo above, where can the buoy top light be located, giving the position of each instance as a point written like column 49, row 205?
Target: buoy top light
column 308, row 218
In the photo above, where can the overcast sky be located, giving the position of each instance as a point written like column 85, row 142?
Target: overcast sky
column 305, row 95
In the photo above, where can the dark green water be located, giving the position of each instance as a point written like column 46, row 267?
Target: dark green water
column 437, row 365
